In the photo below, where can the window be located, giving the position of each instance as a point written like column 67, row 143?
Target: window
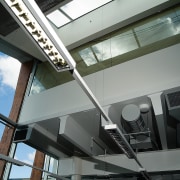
column 88, row 56
column 74, row 10
column 58, row 18
column 25, row 154
column 125, row 44
column 2, row 127
column 9, row 72
column 158, row 29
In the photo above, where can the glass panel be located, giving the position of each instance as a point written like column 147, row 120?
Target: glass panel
column 123, row 43
column 25, row 154
column 2, row 127
column 103, row 50
column 57, row 18
column 115, row 46
column 177, row 20
column 53, row 165
column 9, row 72
column 36, row 87
column 157, row 29
column 46, row 77
column 88, row 56
column 77, row 8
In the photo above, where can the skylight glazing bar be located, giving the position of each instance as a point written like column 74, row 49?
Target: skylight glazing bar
column 31, row 18
column 58, row 18
column 65, row 14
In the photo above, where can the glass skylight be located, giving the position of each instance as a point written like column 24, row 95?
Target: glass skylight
column 58, row 18
column 73, row 10
column 77, row 8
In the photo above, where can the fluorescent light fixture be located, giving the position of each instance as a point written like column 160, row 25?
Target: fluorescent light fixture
column 115, row 134
column 31, row 18
column 58, row 18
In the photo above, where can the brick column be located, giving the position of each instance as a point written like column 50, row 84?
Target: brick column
column 7, row 137
column 38, row 162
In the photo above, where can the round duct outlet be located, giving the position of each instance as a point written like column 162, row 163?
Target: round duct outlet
column 131, row 115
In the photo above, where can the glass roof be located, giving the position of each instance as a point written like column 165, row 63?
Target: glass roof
column 74, row 10
column 58, row 18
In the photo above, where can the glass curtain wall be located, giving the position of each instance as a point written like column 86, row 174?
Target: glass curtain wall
column 146, row 36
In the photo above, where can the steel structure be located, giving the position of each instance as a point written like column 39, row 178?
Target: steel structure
column 33, row 22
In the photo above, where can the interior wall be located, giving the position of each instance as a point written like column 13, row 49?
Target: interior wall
column 145, row 75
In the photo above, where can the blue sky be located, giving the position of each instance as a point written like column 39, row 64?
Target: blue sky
column 9, row 72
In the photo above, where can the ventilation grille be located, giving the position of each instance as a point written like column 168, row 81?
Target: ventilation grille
column 174, row 99
column 48, row 4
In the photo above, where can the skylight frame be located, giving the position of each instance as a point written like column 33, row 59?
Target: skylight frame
column 52, row 17
column 68, row 16
column 88, row 6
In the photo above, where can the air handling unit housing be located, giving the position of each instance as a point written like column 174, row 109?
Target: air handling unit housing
column 172, row 98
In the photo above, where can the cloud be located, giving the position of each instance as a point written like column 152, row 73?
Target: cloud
column 9, row 71
column 29, row 160
column 15, row 157
column 31, row 156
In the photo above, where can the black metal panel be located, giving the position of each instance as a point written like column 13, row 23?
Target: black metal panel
column 174, row 99
column 45, row 5
column 178, row 135
column 7, row 23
